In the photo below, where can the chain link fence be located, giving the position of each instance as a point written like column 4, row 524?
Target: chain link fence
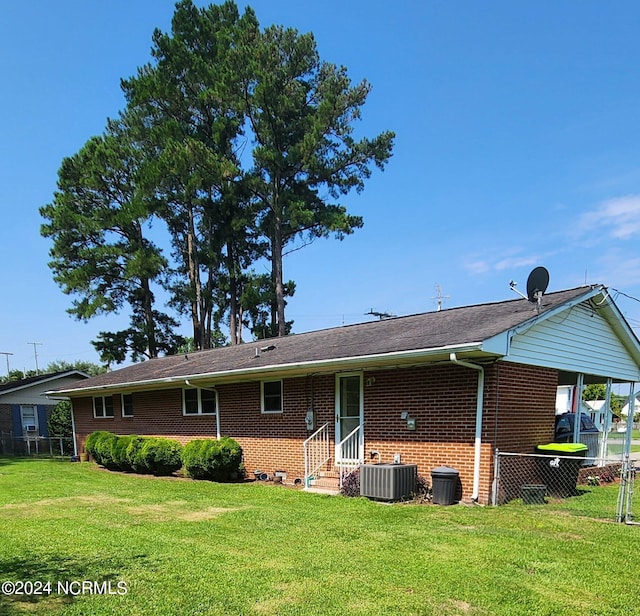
column 537, row 479
column 52, row 447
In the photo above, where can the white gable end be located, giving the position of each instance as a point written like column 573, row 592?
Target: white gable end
column 578, row 339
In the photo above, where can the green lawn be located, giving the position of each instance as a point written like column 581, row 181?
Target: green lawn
column 184, row 547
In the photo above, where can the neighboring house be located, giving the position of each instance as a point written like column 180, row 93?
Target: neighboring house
column 24, row 407
column 597, row 410
column 441, row 388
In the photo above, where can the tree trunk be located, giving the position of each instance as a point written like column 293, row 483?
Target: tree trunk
column 149, row 322
column 276, row 258
column 147, row 305
column 234, row 325
column 194, row 280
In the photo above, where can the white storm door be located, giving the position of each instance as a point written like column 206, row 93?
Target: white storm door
column 349, row 417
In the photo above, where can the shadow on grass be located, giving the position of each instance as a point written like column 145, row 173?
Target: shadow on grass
column 7, row 460
column 54, row 582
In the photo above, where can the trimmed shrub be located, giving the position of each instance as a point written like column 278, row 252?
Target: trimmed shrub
column 133, row 447
column 104, row 450
column 159, row 456
column 120, row 452
column 92, row 440
column 219, row 460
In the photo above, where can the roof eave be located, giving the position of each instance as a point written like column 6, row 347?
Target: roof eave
column 44, row 380
column 375, row 361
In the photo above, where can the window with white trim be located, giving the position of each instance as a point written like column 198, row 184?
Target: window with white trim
column 102, row 406
column 127, row 405
column 271, row 396
column 29, row 416
column 199, row 401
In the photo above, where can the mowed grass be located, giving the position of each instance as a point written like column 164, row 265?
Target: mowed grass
column 184, row 547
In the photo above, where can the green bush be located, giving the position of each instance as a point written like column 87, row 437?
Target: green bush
column 219, row 460
column 104, row 450
column 92, row 440
column 159, row 456
column 120, row 451
column 60, row 425
column 133, row 447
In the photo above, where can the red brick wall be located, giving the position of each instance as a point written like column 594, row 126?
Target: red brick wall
column 519, row 410
column 519, row 406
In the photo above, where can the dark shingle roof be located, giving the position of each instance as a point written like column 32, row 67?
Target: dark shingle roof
column 41, row 378
column 454, row 327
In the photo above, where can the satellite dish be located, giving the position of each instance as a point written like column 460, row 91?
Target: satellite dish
column 537, row 284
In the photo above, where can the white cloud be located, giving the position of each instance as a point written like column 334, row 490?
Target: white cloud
column 619, row 218
column 500, row 263
column 478, row 267
column 616, row 269
column 512, row 263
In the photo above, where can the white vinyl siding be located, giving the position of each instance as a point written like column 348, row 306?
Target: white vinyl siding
column 576, row 340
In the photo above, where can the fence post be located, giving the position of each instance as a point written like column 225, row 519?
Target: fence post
column 496, row 478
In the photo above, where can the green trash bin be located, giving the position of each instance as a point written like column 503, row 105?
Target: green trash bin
column 560, row 467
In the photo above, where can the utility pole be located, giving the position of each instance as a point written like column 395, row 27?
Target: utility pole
column 7, row 356
column 35, row 354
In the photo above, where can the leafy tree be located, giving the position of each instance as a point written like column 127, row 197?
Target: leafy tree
column 180, row 153
column 56, row 366
column 100, row 253
column 84, row 366
column 258, row 305
column 60, row 425
column 189, row 100
column 301, row 111
column 59, row 422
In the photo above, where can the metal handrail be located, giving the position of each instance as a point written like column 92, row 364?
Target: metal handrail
column 316, row 452
column 353, row 457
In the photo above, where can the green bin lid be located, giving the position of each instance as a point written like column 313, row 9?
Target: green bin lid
column 563, row 447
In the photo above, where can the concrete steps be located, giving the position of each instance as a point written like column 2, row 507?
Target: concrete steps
column 327, row 482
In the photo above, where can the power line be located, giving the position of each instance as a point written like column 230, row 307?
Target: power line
column 635, row 299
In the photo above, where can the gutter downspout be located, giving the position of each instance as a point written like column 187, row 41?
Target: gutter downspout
column 215, row 391
column 479, row 412
column 73, row 430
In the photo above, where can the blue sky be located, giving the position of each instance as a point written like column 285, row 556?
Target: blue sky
column 517, row 127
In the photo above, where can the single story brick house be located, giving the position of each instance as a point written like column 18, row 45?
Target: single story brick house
column 440, row 388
